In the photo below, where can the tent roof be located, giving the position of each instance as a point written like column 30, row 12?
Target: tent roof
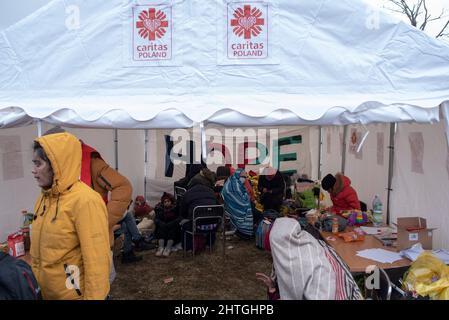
column 333, row 67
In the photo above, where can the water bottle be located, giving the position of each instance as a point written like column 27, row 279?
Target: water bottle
column 377, row 211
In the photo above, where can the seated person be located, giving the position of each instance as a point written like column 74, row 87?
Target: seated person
column 132, row 237
column 200, row 193
column 271, row 186
column 305, row 268
column 144, row 215
column 238, row 204
column 343, row 196
column 191, row 170
column 304, row 195
column 167, row 224
column 222, row 175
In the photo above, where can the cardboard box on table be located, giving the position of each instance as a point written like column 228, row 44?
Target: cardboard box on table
column 412, row 230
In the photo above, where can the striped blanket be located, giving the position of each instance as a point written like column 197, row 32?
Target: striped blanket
column 238, row 205
column 346, row 287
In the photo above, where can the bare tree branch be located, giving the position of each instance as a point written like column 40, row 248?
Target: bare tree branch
column 441, row 33
column 418, row 14
column 426, row 16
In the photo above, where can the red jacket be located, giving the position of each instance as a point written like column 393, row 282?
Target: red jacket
column 345, row 197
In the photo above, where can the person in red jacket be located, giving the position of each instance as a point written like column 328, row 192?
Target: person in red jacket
column 343, row 196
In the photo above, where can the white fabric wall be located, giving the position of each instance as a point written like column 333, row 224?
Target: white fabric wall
column 331, row 150
column 367, row 176
column 18, row 189
column 131, row 158
column 331, row 154
column 423, row 194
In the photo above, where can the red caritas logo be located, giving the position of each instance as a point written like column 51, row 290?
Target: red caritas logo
column 152, row 24
column 247, row 22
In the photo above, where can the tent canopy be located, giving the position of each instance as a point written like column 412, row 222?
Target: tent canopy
column 331, row 66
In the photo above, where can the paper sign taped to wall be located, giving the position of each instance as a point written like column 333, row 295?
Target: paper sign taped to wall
column 380, row 148
column 12, row 162
column 417, row 151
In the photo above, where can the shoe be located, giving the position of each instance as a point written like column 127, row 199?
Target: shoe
column 130, row 257
column 159, row 251
column 141, row 245
column 166, row 252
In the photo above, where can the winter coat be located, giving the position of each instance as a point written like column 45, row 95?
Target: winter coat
column 344, row 197
column 197, row 195
column 165, row 215
column 104, row 179
column 70, row 229
column 273, row 199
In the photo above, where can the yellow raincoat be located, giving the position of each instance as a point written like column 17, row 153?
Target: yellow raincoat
column 69, row 239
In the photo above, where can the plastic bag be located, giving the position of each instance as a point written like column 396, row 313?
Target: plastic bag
column 355, row 217
column 428, row 276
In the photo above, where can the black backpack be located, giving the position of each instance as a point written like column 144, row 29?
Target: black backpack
column 17, row 281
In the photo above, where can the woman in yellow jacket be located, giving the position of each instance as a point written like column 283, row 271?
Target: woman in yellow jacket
column 69, row 239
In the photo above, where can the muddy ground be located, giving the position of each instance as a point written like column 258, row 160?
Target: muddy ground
column 206, row 276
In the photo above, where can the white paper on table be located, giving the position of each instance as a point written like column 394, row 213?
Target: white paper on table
column 413, row 252
column 442, row 255
column 380, row 255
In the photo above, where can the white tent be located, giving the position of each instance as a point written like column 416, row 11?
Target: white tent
column 328, row 63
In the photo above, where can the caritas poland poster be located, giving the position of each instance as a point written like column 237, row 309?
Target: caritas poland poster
column 247, row 30
column 152, row 32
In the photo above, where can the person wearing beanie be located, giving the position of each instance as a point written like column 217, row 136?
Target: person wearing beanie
column 205, row 177
column 167, row 224
column 343, row 196
column 144, row 215
column 200, row 193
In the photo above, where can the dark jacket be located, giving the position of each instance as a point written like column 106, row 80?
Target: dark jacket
column 165, row 215
column 197, row 195
column 272, row 200
column 276, row 185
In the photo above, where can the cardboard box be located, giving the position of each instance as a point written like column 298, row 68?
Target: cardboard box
column 412, row 230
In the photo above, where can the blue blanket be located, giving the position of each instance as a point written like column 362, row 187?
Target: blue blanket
column 238, row 204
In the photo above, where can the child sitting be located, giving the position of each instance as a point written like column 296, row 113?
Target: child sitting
column 167, row 224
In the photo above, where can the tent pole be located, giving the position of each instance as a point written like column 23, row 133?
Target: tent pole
column 39, row 128
column 146, row 163
column 203, row 142
column 343, row 154
column 390, row 168
column 116, row 148
column 320, row 146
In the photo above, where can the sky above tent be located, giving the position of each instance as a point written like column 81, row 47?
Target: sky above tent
column 12, row 11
